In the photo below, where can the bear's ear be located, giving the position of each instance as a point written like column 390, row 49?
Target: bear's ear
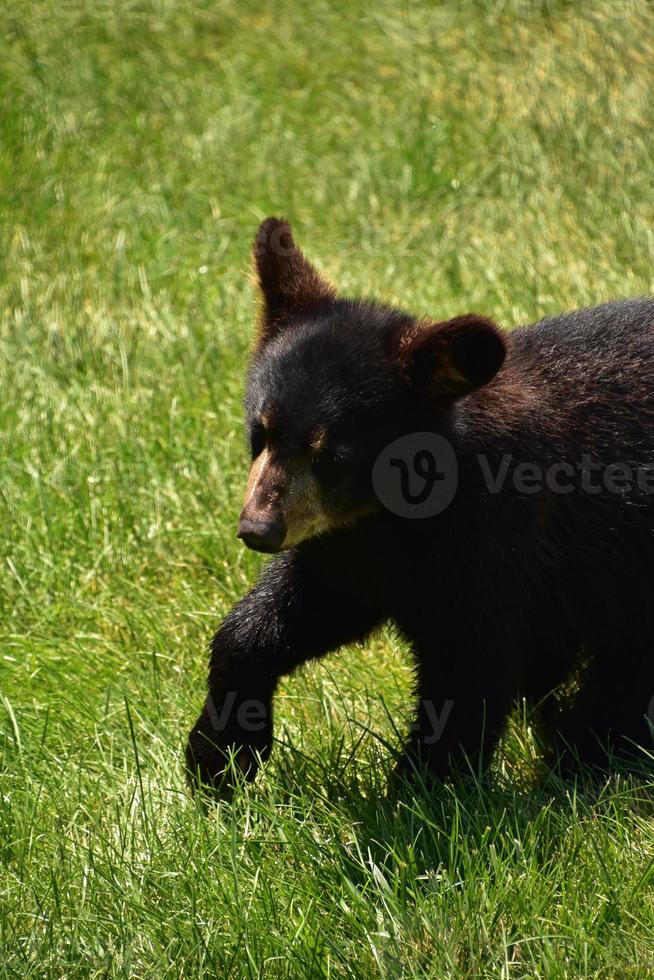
column 449, row 360
column 290, row 285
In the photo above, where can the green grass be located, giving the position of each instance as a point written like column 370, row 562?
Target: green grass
column 491, row 155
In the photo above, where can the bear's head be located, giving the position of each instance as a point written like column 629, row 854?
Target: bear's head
column 332, row 382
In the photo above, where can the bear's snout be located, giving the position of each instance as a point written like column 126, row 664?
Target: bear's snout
column 261, row 535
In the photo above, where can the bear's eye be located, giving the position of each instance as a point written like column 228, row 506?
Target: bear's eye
column 324, row 458
column 257, row 439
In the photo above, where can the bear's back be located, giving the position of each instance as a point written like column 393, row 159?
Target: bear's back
column 591, row 372
column 591, row 345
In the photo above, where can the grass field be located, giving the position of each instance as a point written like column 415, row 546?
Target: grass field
column 492, row 155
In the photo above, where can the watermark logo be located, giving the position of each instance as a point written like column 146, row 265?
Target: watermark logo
column 251, row 714
column 430, row 724
column 416, row 476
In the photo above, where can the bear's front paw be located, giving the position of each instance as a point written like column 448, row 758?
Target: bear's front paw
column 215, row 756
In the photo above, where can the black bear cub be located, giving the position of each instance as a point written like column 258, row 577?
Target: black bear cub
column 537, row 564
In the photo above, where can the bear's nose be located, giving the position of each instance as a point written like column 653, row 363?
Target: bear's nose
column 260, row 535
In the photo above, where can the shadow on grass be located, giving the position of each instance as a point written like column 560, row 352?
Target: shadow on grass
column 462, row 823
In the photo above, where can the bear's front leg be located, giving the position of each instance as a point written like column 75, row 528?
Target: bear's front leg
column 298, row 610
column 235, row 723
column 462, row 710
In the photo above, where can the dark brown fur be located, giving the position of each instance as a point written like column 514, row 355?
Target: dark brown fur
column 502, row 594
